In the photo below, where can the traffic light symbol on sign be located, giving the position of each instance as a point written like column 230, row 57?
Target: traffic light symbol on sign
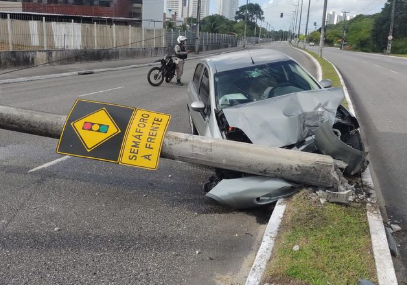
column 94, row 127
column 281, row 15
column 93, row 134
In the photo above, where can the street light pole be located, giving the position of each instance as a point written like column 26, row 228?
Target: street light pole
column 306, row 27
column 390, row 38
column 299, row 25
column 198, row 19
column 322, row 38
column 245, row 26
column 344, row 29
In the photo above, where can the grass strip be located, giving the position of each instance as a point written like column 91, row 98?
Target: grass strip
column 334, row 244
column 400, row 55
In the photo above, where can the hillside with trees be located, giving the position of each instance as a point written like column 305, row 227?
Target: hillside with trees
column 369, row 33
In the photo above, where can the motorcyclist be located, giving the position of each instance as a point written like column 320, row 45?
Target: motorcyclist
column 181, row 53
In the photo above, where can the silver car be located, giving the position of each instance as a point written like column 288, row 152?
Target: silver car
column 264, row 97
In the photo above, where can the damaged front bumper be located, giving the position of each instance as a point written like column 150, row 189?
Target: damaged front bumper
column 252, row 191
column 329, row 143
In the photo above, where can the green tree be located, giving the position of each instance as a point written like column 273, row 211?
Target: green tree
column 381, row 27
column 216, row 24
column 254, row 12
column 170, row 25
column 314, row 37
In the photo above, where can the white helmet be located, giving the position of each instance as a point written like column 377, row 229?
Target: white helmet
column 181, row 39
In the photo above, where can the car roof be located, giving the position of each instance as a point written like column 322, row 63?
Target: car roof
column 241, row 59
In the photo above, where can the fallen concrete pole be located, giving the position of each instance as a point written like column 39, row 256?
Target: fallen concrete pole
column 296, row 166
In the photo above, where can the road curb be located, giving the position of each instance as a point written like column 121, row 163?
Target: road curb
column 386, row 274
column 319, row 68
column 384, row 264
column 99, row 70
column 266, row 248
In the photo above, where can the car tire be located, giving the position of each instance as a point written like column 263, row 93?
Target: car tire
column 194, row 131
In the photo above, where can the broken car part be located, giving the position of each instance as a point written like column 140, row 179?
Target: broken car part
column 253, row 191
column 330, row 144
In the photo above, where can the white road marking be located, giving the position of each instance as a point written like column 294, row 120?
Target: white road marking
column 101, row 91
column 377, row 65
column 393, row 71
column 48, row 164
column 363, row 61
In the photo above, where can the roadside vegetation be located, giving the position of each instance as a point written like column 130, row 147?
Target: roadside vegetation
column 369, row 33
column 219, row 24
column 321, row 244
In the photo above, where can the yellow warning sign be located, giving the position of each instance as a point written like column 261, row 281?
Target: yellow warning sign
column 143, row 140
column 95, row 128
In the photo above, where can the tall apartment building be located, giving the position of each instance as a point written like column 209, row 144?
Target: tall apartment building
column 227, row 8
column 193, row 7
column 173, row 7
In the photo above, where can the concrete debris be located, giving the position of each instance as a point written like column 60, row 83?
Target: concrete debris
column 198, row 252
column 296, row 247
column 57, row 229
column 335, row 197
column 395, row 228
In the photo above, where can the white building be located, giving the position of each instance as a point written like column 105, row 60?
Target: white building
column 193, row 7
column 227, row 8
column 333, row 19
column 173, row 7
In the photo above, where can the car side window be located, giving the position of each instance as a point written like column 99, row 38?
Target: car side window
column 197, row 75
column 204, row 91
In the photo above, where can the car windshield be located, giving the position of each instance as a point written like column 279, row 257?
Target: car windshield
column 255, row 83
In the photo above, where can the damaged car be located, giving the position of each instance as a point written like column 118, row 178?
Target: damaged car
column 264, row 97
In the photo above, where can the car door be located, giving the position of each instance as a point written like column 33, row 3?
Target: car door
column 200, row 92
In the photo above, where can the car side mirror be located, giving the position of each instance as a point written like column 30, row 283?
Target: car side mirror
column 326, row 83
column 198, row 106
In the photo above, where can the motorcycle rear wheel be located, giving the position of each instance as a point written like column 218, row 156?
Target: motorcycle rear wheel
column 155, row 76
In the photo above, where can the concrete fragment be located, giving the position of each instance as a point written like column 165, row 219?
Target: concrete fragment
column 338, row 197
column 395, row 228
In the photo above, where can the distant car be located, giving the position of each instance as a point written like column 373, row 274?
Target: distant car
column 265, row 98
column 311, row 44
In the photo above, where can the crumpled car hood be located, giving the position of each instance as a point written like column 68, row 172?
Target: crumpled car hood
column 287, row 119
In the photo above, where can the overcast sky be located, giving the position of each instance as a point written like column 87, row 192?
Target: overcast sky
column 273, row 8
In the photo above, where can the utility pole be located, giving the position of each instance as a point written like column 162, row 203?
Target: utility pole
column 390, row 38
column 296, row 19
column 322, row 38
column 198, row 19
column 306, row 27
column 245, row 26
column 261, row 24
column 255, row 28
column 292, row 26
column 299, row 25
column 344, row 29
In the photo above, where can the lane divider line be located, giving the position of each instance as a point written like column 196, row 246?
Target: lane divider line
column 101, row 91
column 48, row 164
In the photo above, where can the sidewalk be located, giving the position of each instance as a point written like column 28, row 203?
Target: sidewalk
column 51, row 69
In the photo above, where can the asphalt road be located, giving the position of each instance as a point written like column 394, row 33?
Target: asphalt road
column 377, row 85
column 78, row 221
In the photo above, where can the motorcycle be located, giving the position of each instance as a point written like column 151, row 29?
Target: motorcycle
column 166, row 71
